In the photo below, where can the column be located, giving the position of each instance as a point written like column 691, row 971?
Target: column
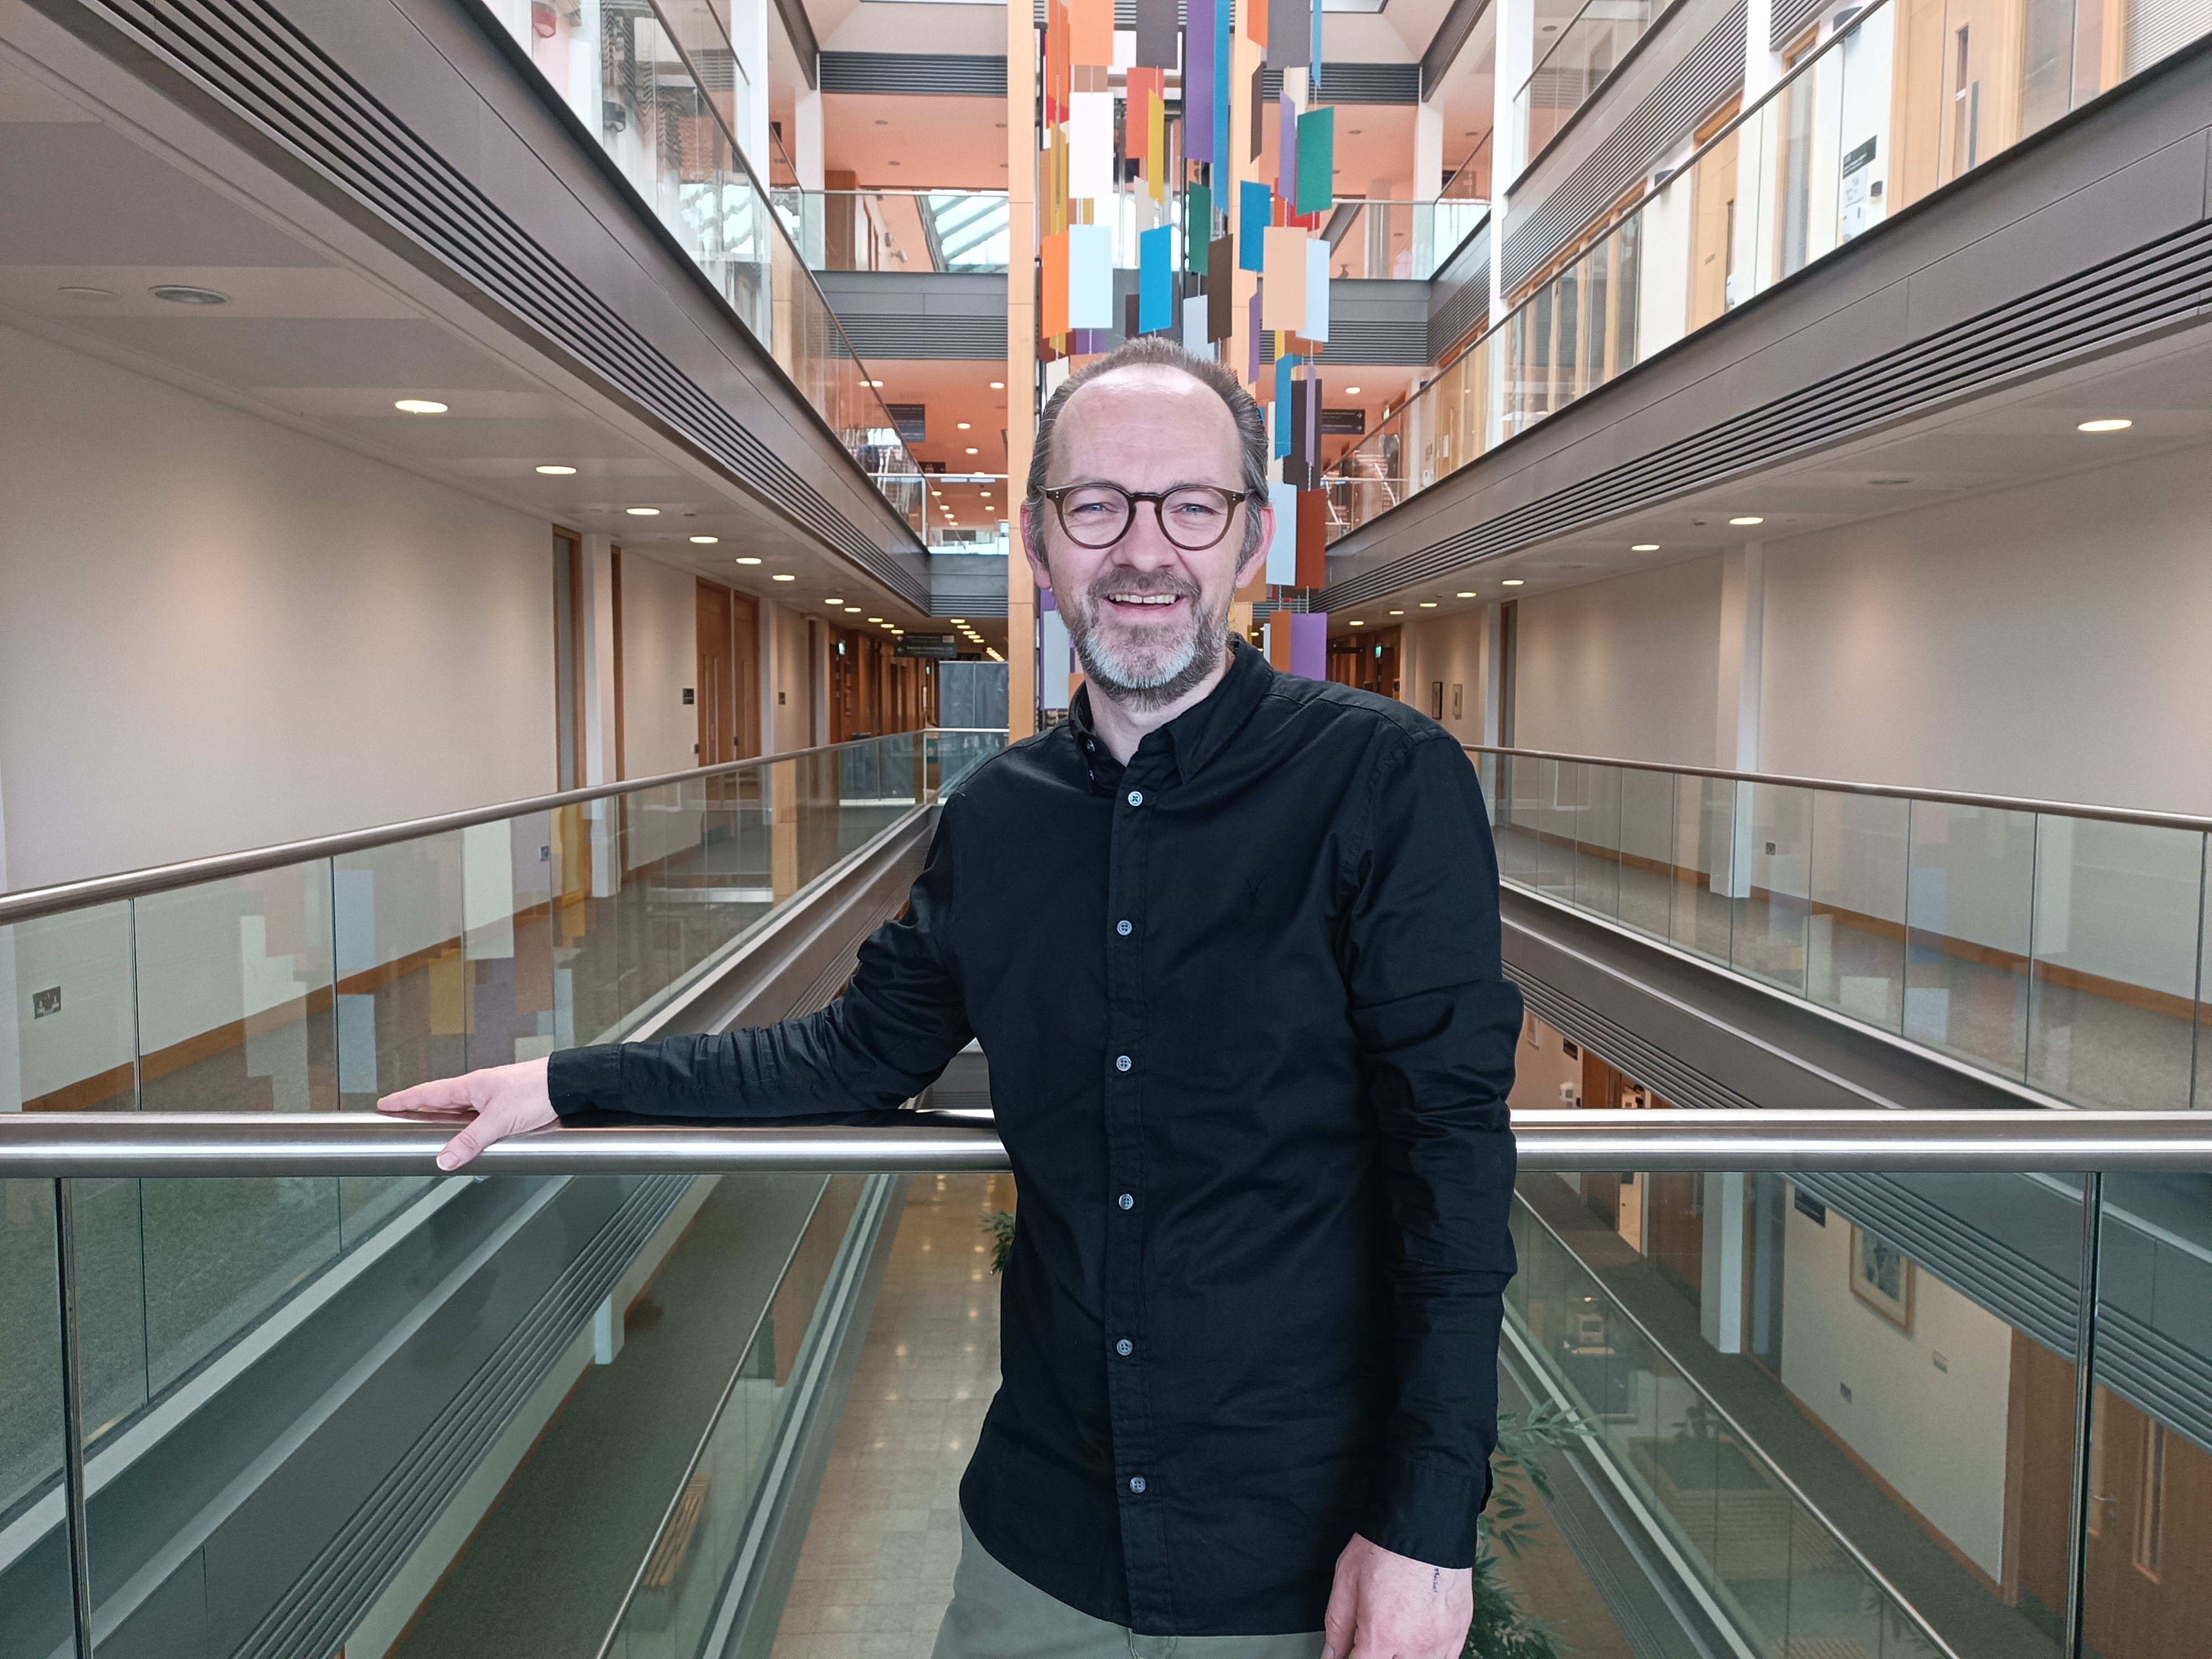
column 1736, row 734
column 603, row 816
column 1021, row 356
column 806, row 140
column 1720, row 1298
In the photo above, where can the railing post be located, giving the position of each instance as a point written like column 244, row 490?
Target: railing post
column 2085, row 1384
column 73, row 1495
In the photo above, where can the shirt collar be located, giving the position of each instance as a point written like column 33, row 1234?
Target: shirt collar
column 1200, row 732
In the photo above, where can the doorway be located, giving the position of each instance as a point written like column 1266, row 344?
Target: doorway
column 729, row 677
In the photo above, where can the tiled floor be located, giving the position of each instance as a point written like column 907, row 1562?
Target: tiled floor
column 876, row 1572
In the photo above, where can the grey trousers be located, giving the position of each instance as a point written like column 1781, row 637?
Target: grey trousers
column 997, row 1615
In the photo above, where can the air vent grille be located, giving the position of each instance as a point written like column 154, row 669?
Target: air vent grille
column 2153, row 287
column 252, row 59
column 944, row 74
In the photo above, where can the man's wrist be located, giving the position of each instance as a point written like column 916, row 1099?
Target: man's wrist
column 588, row 1079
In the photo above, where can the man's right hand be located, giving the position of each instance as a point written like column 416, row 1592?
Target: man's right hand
column 499, row 1101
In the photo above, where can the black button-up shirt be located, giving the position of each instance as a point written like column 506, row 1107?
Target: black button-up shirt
column 1250, row 1046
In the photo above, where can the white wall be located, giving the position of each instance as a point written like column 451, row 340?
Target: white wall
column 660, row 657
column 1448, row 649
column 1627, row 667
column 2046, row 641
column 1937, row 1435
column 216, row 633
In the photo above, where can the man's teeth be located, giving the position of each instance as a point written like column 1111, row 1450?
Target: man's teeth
column 1145, row 598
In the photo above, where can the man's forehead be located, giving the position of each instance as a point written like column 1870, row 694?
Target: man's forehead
column 1102, row 408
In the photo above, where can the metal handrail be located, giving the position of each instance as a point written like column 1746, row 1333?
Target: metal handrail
column 45, row 1146
column 2185, row 821
column 32, row 902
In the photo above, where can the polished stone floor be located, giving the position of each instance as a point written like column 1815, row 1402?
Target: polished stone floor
column 876, row 1572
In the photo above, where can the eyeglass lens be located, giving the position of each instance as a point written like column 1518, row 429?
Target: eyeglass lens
column 1098, row 515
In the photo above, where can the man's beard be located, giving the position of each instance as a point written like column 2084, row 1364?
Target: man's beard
column 1150, row 677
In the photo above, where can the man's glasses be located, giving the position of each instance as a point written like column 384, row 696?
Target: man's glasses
column 1194, row 517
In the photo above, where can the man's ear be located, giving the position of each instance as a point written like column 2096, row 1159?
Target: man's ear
column 1250, row 565
column 1033, row 545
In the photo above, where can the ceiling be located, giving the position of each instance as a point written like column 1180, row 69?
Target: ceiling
column 2026, row 434
column 99, row 214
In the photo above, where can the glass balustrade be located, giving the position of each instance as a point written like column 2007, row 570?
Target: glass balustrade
column 2062, row 950
column 1573, row 63
column 320, row 986
column 663, row 89
column 1891, row 108
column 908, row 231
column 1398, row 242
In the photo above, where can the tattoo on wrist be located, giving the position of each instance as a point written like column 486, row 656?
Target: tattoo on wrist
column 1435, row 1579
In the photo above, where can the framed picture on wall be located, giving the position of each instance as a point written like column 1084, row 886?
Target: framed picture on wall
column 1881, row 1278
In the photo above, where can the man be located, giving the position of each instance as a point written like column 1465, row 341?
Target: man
column 1229, row 940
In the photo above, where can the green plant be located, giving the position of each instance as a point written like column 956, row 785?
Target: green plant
column 1501, row 1628
column 999, row 1227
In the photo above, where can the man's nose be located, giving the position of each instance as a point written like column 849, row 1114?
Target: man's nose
column 1146, row 546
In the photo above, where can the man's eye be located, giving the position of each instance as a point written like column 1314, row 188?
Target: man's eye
column 1198, row 509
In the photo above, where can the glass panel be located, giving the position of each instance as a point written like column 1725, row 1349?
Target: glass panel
column 685, row 1577
column 2151, row 1420
column 1516, row 809
column 1555, row 840
column 1705, row 819
column 1855, row 935
column 1968, row 895
column 2113, row 1001
column 1647, row 849
column 402, row 977
column 1854, row 1436
column 36, row 1615
column 68, row 1040
column 1768, row 937
column 1597, row 841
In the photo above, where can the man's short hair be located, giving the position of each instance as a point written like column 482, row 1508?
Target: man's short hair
column 1157, row 350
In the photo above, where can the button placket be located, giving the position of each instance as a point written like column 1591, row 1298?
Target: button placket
column 1128, row 1403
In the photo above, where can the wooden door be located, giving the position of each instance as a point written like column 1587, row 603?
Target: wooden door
column 717, row 677
column 744, row 666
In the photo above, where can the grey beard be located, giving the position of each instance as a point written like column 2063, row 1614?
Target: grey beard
column 1197, row 660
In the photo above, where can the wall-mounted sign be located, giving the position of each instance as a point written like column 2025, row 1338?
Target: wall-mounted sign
column 942, row 646
column 1343, row 423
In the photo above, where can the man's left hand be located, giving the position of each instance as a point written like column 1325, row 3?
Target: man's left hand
column 1385, row 1606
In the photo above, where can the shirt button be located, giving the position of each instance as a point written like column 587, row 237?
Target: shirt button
column 1136, row 797
column 1125, row 1347
column 1128, row 1200
column 1123, row 928
column 1137, row 1483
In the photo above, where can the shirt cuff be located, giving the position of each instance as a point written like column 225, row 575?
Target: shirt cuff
column 581, row 1080
column 1427, row 1514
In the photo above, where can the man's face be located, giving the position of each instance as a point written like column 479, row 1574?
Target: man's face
column 1148, row 618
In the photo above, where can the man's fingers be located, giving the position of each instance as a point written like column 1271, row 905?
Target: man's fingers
column 1336, row 1624
column 449, row 1094
column 462, row 1147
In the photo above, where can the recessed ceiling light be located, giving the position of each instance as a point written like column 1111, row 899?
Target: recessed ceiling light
column 558, row 472
column 1351, row 392
column 783, row 576
column 1428, row 604
column 705, row 541
column 832, row 601
column 642, row 512
column 998, row 385
column 1747, row 518
column 417, row 405
column 183, row 294
column 1512, row 581
column 747, row 558
column 872, row 383
column 958, row 621
column 960, row 426
column 1644, row 547
column 875, row 619
column 74, row 291
column 973, row 451
column 1467, row 595
column 1359, row 624
column 2104, row 426
column 1397, row 613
